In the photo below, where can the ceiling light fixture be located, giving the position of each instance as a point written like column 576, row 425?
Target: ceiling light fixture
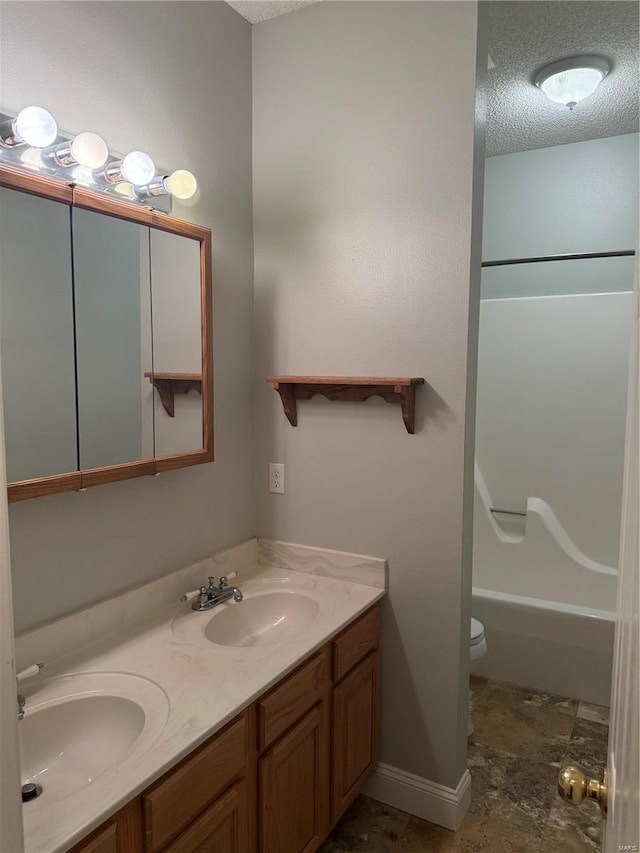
column 569, row 81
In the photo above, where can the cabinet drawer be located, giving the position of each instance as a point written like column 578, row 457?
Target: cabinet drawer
column 222, row 827
column 356, row 642
column 290, row 700
column 180, row 797
column 105, row 842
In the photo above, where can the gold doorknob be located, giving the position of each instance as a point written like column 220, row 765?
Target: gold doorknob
column 574, row 787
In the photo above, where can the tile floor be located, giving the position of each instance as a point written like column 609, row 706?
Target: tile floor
column 521, row 737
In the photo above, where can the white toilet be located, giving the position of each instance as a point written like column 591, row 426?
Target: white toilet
column 477, row 650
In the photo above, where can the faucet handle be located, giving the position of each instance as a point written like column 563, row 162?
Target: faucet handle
column 34, row 669
column 190, row 596
column 224, row 581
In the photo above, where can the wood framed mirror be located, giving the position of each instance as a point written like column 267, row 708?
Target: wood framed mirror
column 105, row 335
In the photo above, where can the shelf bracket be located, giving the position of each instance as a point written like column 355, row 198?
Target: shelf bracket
column 351, row 389
column 169, row 384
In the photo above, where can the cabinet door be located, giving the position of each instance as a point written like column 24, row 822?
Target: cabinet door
column 294, row 786
column 221, row 829
column 355, row 732
column 121, row 834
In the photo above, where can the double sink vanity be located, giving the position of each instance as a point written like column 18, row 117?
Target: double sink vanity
column 250, row 725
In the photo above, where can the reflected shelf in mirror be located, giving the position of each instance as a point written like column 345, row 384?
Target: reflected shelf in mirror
column 169, row 384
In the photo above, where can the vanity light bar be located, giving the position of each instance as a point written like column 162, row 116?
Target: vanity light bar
column 40, row 146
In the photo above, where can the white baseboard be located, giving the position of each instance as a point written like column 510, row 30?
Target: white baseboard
column 428, row 800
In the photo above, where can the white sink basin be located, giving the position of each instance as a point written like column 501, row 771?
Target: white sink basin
column 273, row 611
column 272, row 617
column 78, row 727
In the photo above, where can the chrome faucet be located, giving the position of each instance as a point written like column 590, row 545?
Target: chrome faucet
column 212, row 595
column 26, row 673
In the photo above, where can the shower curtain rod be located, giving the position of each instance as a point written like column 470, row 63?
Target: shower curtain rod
column 579, row 256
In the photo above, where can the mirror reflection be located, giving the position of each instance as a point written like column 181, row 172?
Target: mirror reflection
column 177, row 343
column 113, row 330
column 37, row 336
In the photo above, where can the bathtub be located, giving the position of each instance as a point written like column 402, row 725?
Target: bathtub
column 546, row 645
column 547, row 608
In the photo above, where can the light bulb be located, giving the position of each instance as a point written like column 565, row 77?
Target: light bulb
column 89, row 150
column 36, row 127
column 181, row 184
column 125, row 189
column 138, row 168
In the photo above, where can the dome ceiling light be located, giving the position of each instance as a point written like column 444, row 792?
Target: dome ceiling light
column 570, row 81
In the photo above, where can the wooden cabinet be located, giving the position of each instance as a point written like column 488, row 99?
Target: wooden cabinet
column 355, row 732
column 278, row 776
column 222, row 828
column 179, row 797
column 120, row 834
column 283, row 706
column 294, row 785
column 356, row 641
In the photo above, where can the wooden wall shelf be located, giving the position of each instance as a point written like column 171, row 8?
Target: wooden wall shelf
column 350, row 389
column 169, row 384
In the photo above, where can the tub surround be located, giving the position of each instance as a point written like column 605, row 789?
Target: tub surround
column 149, row 633
column 545, row 645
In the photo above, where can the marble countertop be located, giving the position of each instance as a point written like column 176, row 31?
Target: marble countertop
column 205, row 685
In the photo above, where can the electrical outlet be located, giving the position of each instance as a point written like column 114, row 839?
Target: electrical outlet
column 276, row 477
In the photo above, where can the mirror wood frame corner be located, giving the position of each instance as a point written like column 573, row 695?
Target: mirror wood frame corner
column 76, row 197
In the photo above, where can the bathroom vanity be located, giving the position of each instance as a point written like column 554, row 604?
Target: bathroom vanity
column 281, row 774
column 259, row 718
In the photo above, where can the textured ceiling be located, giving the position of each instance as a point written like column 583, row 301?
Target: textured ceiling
column 260, row 10
column 527, row 34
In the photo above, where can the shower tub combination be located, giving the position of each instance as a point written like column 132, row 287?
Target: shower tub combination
column 550, row 450
column 564, row 645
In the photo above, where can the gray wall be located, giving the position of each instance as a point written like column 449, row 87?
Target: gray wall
column 581, row 197
column 173, row 79
column 363, row 158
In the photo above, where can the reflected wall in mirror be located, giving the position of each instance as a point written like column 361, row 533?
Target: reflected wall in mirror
column 113, row 330
column 177, row 319
column 100, row 300
column 36, row 336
